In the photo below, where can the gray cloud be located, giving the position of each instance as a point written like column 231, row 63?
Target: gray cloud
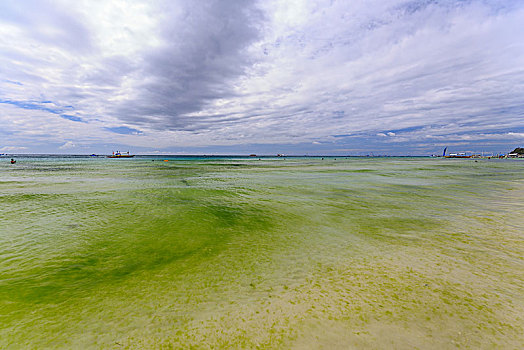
column 190, row 73
column 47, row 23
column 204, row 49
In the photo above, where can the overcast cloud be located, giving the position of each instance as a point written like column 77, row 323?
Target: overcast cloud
column 316, row 77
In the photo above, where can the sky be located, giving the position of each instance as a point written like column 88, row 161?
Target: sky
column 296, row 77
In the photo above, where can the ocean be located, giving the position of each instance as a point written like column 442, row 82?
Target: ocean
column 271, row 253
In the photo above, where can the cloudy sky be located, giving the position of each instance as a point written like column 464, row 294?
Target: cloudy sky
column 273, row 76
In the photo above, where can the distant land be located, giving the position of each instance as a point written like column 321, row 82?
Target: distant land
column 517, row 151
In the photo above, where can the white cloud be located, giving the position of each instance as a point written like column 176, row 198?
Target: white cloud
column 12, row 149
column 67, row 145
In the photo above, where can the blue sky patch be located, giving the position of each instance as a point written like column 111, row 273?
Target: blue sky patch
column 12, row 82
column 32, row 105
column 72, row 118
column 124, row 130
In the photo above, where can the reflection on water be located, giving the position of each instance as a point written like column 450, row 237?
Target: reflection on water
column 274, row 253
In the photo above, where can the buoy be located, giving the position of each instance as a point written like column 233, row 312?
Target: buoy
column 166, row 160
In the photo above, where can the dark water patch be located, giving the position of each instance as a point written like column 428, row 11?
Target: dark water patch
column 20, row 197
column 129, row 233
column 362, row 171
column 232, row 165
column 169, row 167
column 30, row 167
column 10, row 182
column 52, row 169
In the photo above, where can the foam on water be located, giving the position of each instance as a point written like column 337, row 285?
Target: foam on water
column 271, row 253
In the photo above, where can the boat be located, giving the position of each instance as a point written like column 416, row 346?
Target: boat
column 458, row 155
column 119, row 154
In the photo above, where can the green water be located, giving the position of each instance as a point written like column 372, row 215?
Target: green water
column 295, row 253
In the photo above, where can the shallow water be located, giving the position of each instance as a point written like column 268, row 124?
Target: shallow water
column 271, row 253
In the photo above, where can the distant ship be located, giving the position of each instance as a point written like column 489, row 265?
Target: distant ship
column 118, row 154
column 458, row 155
column 455, row 155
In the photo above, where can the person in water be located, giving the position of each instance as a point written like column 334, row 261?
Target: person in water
column 13, row 161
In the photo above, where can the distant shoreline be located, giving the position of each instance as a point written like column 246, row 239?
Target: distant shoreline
column 42, row 155
column 242, row 156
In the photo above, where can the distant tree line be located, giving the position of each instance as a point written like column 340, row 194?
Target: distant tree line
column 518, row 150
